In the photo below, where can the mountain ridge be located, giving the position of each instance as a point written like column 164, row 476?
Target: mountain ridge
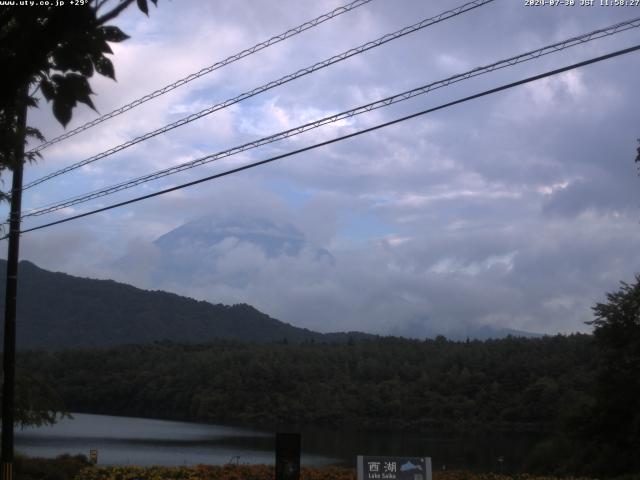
column 57, row 311
column 102, row 313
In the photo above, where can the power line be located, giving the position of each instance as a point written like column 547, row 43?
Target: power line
column 533, row 54
column 268, row 86
column 343, row 137
column 223, row 63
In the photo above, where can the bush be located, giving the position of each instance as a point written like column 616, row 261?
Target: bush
column 64, row 467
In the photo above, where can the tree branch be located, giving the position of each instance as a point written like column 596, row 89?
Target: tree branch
column 114, row 13
column 99, row 4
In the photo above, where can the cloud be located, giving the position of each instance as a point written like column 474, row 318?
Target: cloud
column 518, row 210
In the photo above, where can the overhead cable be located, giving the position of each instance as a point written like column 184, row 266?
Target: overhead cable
column 341, row 138
column 523, row 57
column 268, row 86
column 222, row 63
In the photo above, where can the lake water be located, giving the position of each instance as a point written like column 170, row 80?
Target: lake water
column 139, row 441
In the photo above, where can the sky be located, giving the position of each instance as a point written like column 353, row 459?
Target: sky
column 517, row 210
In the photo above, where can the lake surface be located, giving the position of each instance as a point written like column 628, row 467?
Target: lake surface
column 139, row 441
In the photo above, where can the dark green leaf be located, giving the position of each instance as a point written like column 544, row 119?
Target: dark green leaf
column 102, row 46
column 76, row 58
column 86, row 99
column 35, row 133
column 79, row 89
column 78, row 83
column 142, row 5
column 62, row 111
column 66, row 96
column 47, row 89
column 113, row 34
column 71, row 89
column 65, row 58
column 31, row 156
column 105, row 67
column 86, row 67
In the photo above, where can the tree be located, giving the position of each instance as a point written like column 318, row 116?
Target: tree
column 37, row 402
column 53, row 49
column 614, row 427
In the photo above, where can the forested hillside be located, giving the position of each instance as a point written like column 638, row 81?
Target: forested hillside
column 510, row 384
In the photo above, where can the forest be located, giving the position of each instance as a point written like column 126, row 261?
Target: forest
column 579, row 391
column 513, row 384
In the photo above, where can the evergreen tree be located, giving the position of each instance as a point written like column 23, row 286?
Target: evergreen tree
column 614, row 427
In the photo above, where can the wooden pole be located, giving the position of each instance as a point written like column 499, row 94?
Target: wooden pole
column 11, row 294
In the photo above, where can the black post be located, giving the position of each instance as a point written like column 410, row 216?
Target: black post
column 9, row 358
column 288, row 446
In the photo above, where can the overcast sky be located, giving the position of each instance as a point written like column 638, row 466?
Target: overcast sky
column 517, row 210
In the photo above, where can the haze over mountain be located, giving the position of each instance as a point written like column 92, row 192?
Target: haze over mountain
column 56, row 310
column 205, row 252
column 273, row 265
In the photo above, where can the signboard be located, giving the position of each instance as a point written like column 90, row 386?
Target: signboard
column 394, row 468
column 93, row 456
column 288, row 456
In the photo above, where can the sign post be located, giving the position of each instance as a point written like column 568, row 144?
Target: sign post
column 394, row 468
column 288, row 447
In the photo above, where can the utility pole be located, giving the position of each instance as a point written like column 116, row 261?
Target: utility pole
column 11, row 293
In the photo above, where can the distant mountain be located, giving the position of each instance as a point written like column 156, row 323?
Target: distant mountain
column 56, row 311
column 214, row 255
column 422, row 329
column 205, row 232
column 198, row 252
